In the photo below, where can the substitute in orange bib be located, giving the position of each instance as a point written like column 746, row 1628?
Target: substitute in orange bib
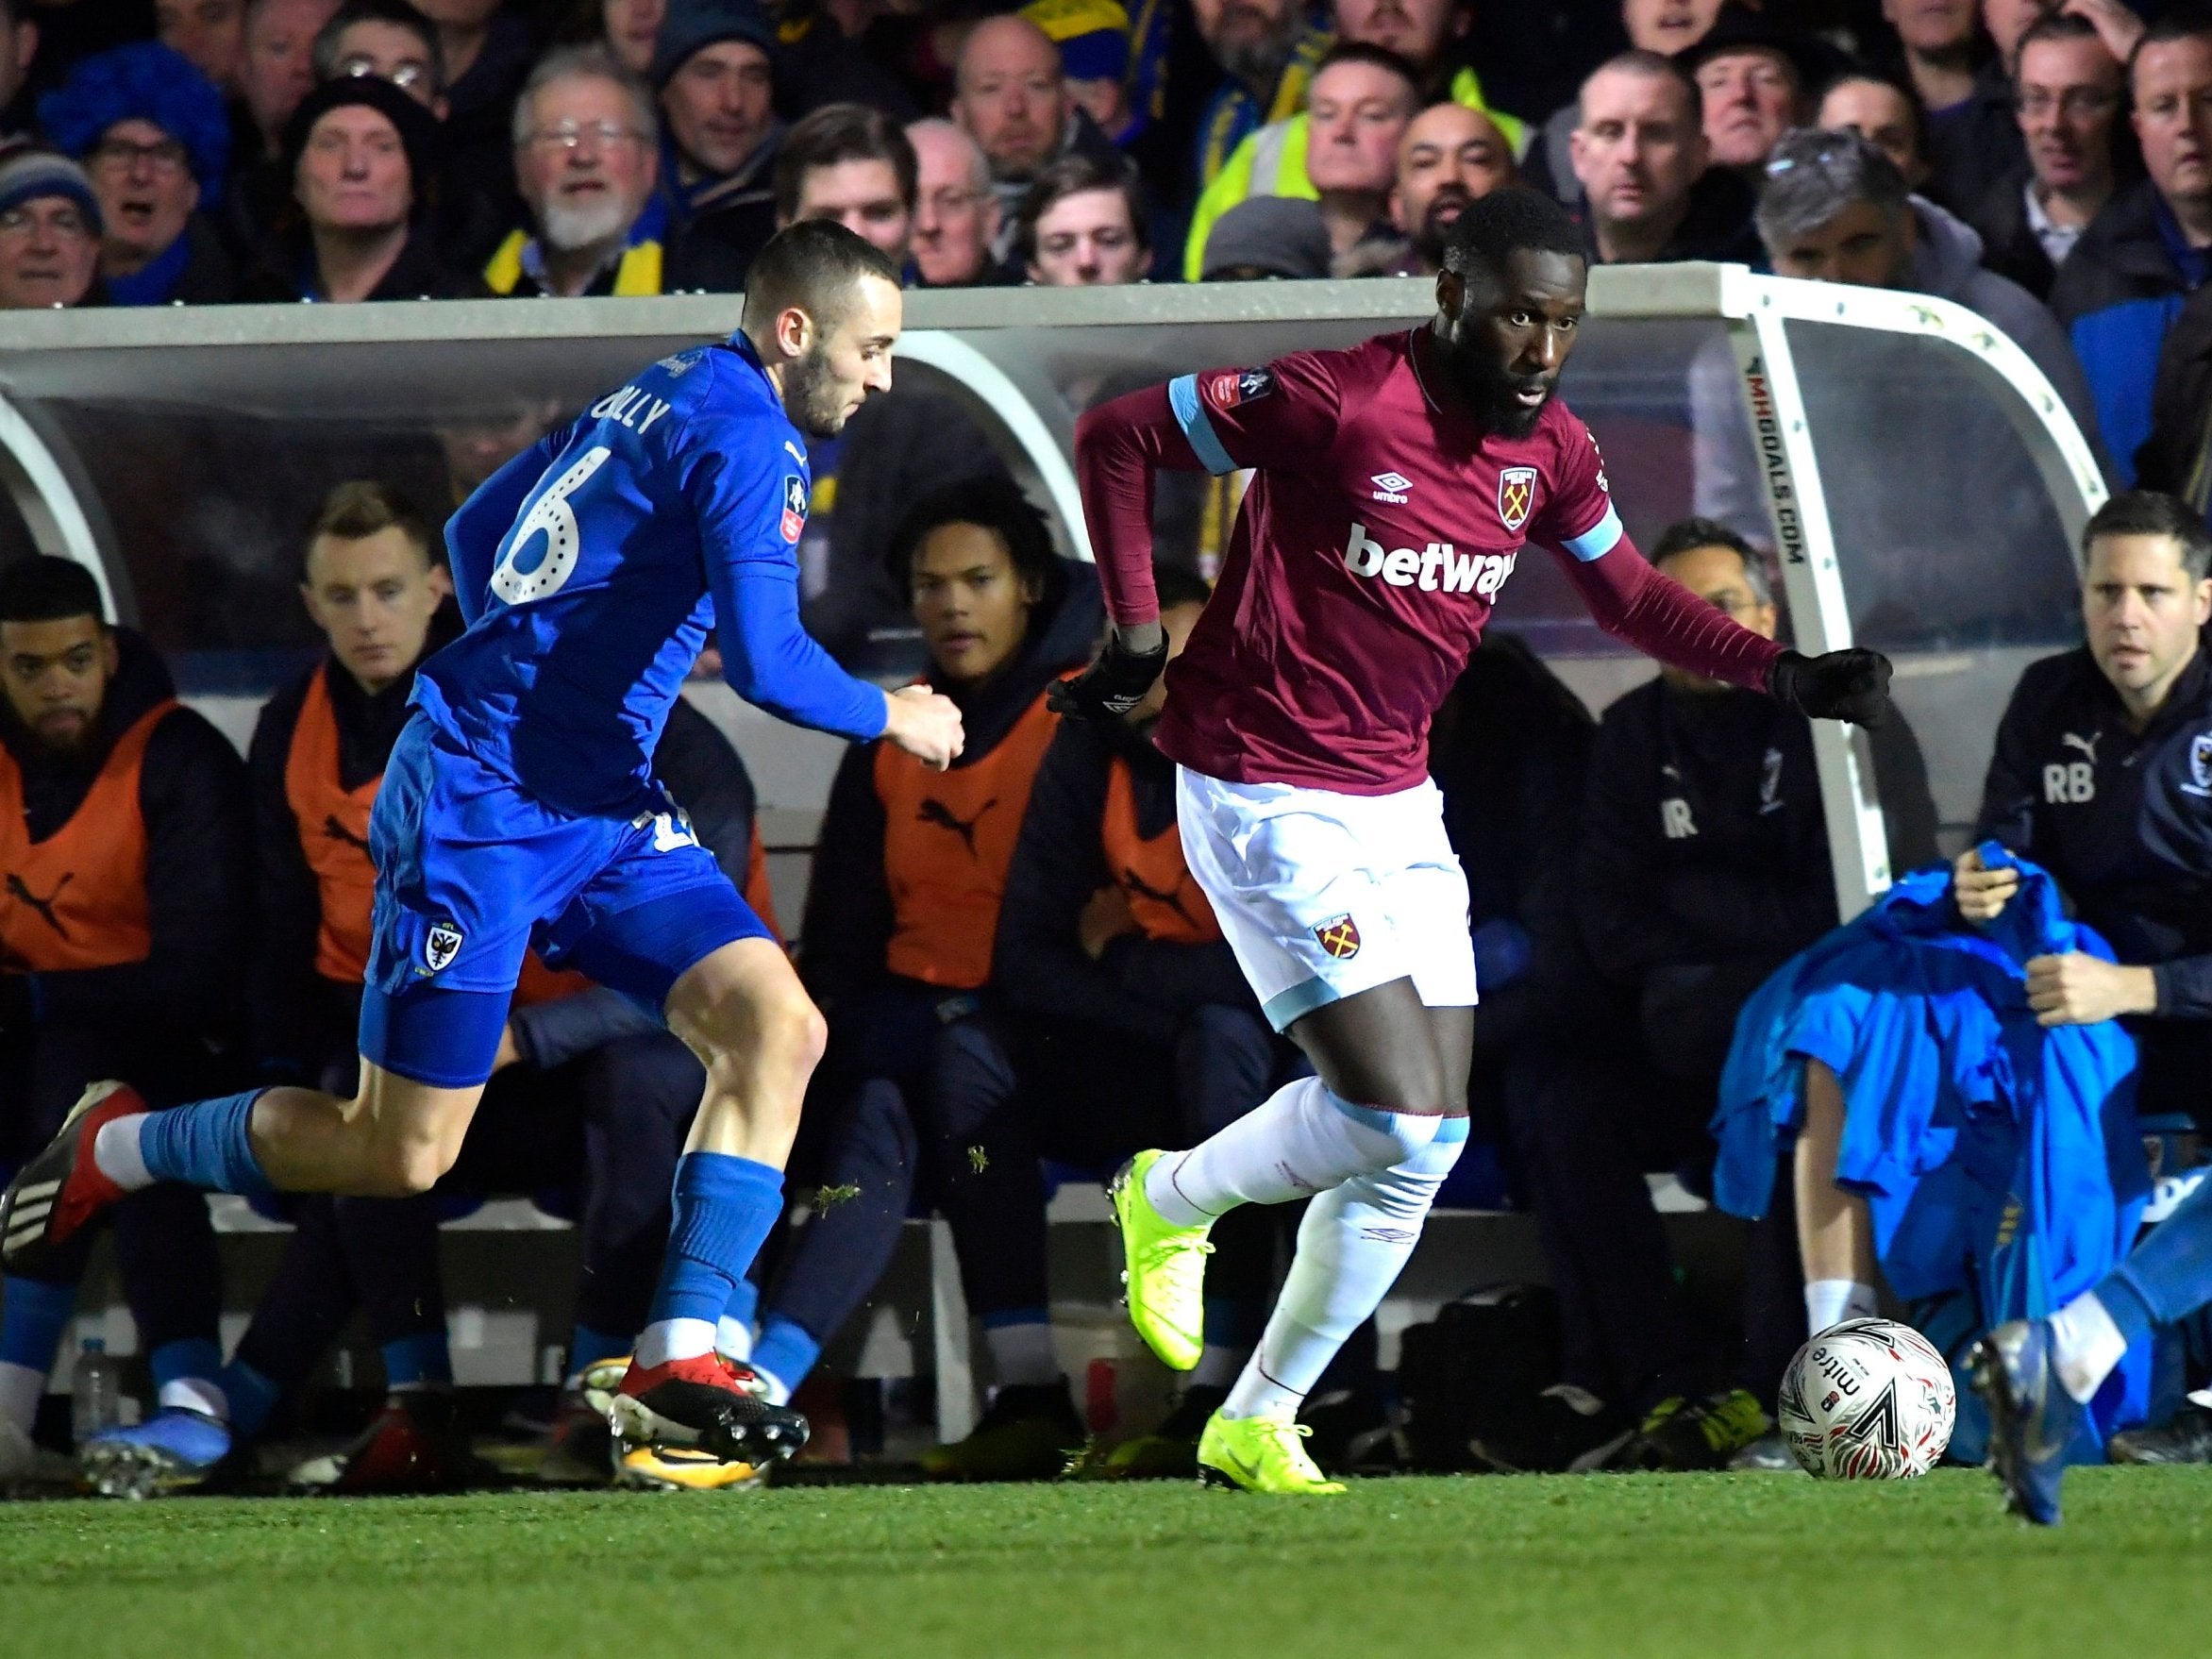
column 897, row 950
column 123, row 915
column 591, row 1097
column 1132, row 1021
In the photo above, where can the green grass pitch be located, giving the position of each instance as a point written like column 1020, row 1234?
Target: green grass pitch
column 1623, row 1567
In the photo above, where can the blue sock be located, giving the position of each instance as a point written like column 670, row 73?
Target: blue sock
column 744, row 1302
column 189, row 1358
column 588, row 1347
column 253, row 1398
column 785, row 1351
column 2168, row 1276
column 204, row 1145
column 417, row 1362
column 725, row 1206
column 32, row 1318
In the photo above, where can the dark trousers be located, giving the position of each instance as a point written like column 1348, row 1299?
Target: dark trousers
column 598, row 1136
column 1596, row 1119
column 165, row 1245
column 972, row 1106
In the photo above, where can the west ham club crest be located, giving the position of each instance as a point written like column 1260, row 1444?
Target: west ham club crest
column 1516, row 495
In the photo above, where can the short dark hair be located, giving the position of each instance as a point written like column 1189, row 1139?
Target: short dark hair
column 1652, row 66
column 2147, row 512
column 1915, row 105
column 813, row 266
column 1381, row 58
column 323, row 55
column 1688, row 534
column 361, row 508
column 841, row 132
column 43, row 588
column 2190, row 20
column 1510, row 220
column 1177, row 584
column 2056, row 26
column 996, row 503
column 1071, row 176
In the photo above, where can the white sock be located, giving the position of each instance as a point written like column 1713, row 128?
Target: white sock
column 2085, row 1344
column 1022, row 1354
column 674, row 1339
column 1351, row 1245
column 1217, row 1366
column 196, row 1394
column 1300, row 1141
column 1831, row 1301
column 777, row 1389
column 20, row 1389
column 115, row 1151
column 734, row 1337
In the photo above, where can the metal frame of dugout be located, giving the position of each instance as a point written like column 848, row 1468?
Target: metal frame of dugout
column 1013, row 355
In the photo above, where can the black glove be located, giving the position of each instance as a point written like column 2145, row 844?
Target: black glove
column 1842, row 685
column 1113, row 685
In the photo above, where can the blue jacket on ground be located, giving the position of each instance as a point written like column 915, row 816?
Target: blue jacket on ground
column 1998, row 1159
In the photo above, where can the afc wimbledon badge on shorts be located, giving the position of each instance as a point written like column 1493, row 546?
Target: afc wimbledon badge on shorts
column 442, row 944
column 1516, row 495
column 794, row 506
column 1339, row 936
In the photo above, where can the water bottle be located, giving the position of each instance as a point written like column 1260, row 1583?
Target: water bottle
column 95, row 1391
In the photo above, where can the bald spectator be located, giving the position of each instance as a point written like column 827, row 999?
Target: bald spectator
column 1448, row 157
column 853, row 165
column 152, row 137
column 209, row 33
column 49, row 231
column 1973, row 139
column 713, row 74
column 1082, row 226
column 1752, row 78
column 1428, row 36
column 587, row 157
column 277, row 65
column 1267, row 50
column 1268, row 237
column 1665, row 28
column 956, row 211
column 1886, row 114
column 2069, row 93
column 1012, row 98
column 1641, row 156
column 19, row 44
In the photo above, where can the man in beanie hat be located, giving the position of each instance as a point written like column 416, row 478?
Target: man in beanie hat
column 364, row 161
column 714, row 73
column 1268, row 235
column 49, row 231
column 154, row 137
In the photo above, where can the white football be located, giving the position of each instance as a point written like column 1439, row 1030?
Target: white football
column 1869, row 1400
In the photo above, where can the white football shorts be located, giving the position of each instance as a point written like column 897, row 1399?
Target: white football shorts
column 1323, row 896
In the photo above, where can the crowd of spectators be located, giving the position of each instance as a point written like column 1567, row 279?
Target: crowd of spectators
column 1015, row 965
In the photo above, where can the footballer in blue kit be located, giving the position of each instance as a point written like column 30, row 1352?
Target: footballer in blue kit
column 520, row 810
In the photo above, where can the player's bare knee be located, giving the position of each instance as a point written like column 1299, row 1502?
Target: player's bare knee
column 405, row 1167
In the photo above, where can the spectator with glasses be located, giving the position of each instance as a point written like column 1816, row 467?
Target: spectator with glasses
column 586, row 155
column 2069, row 89
column 49, row 232
column 956, row 211
column 152, row 137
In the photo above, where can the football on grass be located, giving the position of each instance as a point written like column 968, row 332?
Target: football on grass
column 1869, row 1400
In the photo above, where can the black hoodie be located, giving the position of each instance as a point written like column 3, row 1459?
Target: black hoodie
column 849, row 920
column 191, row 794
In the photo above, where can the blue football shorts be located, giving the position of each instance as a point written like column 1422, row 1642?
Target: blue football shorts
column 472, row 873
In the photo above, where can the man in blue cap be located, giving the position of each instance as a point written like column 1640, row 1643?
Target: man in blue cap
column 154, row 137
column 714, row 73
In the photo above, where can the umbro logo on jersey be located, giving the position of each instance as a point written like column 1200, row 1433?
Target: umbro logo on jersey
column 1428, row 568
column 1392, row 487
column 1516, row 495
column 794, row 506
